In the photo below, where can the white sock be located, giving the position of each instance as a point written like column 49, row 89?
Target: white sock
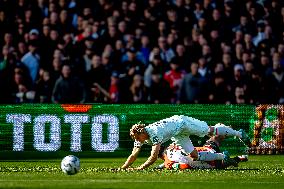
column 221, row 129
column 209, row 156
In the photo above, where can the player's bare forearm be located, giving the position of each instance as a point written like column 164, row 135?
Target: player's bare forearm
column 128, row 162
column 148, row 163
column 131, row 158
column 153, row 157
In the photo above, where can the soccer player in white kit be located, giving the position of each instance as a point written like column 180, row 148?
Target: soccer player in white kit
column 178, row 128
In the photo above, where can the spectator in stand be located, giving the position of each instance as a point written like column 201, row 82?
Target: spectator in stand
column 68, row 88
column 157, row 65
column 132, row 62
column 19, row 86
column 159, row 91
column 8, row 40
column 87, row 59
column 113, row 95
column 219, row 91
column 32, row 61
column 174, row 77
column 280, row 50
column 182, row 56
column 240, row 96
column 162, row 29
column 98, row 94
column 114, row 89
column 228, row 65
column 44, row 87
column 138, row 90
column 203, row 68
column 198, row 11
column 4, row 58
column 171, row 40
column 145, row 48
column 97, row 73
column 255, row 89
column 248, row 43
column 265, row 65
column 207, row 54
column 244, row 25
column 23, row 95
column 55, row 71
column 238, row 51
column 238, row 77
column 260, row 36
column 166, row 53
column 275, row 81
column 107, row 61
column 118, row 51
column 191, row 87
column 21, row 50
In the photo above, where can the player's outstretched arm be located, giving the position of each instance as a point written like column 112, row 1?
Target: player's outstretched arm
column 153, row 157
column 131, row 158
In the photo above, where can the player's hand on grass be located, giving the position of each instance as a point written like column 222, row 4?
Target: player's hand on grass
column 115, row 169
column 139, row 168
column 132, row 169
column 126, row 169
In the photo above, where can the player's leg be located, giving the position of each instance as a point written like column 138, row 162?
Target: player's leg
column 214, row 143
column 221, row 129
column 210, row 156
column 186, row 144
column 235, row 161
column 192, row 126
column 199, row 128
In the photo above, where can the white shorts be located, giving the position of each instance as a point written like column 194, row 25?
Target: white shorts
column 194, row 126
column 191, row 126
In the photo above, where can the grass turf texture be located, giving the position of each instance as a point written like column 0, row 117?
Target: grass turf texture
column 262, row 171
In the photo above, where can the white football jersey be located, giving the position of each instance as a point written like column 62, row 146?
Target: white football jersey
column 163, row 130
column 177, row 125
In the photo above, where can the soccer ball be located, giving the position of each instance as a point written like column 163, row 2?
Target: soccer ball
column 70, row 165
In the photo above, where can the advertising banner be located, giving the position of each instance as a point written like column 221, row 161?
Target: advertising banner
column 46, row 130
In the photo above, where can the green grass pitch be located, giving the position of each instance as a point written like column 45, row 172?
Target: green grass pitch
column 262, row 171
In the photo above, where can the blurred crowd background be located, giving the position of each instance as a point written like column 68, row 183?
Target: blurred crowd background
column 142, row 51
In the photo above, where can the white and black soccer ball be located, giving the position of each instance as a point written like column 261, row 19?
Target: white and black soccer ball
column 70, row 165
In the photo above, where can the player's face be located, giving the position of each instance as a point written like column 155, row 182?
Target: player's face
column 141, row 137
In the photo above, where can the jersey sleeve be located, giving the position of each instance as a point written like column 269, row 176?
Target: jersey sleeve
column 155, row 136
column 138, row 144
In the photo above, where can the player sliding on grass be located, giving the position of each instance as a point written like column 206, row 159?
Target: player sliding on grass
column 175, row 158
column 178, row 128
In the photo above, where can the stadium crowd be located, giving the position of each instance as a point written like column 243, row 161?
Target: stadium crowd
column 142, row 51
